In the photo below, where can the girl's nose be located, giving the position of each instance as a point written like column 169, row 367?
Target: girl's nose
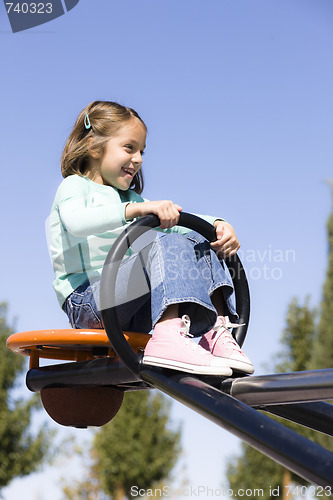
column 137, row 158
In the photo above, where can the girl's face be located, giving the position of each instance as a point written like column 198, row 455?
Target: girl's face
column 122, row 157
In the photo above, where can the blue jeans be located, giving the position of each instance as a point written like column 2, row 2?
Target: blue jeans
column 174, row 269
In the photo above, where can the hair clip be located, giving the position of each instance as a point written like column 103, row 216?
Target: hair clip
column 87, row 123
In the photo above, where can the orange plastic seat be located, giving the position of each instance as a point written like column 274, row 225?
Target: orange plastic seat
column 69, row 344
column 75, row 406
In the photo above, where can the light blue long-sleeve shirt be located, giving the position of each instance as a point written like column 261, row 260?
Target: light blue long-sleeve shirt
column 85, row 220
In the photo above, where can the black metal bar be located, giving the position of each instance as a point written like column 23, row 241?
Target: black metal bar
column 96, row 372
column 317, row 416
column 242, row 294
column 298, row 387
column 300, row 455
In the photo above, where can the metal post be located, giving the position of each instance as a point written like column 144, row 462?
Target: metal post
column 317, row 416
column 298, row 387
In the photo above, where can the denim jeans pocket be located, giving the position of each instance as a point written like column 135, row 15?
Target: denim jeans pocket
column 82, row 311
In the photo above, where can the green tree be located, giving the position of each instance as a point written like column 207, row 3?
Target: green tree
column 323, row 348
column 297, row 338
column 306, row 345
column 21, row 452
column 136, row 449
column 253, row 471
column 297, row 342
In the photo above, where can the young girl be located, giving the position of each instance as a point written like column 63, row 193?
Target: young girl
column 174, row 278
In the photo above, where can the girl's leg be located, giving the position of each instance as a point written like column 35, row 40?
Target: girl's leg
column 170, row 278
column 178, row 290
column 182, row 277
column 132, row 295
column 171, row 312
column 184, row 270
column 172, row 271
column 219, row 340
column 186, row 277
column 219, row 303
column 81, row 308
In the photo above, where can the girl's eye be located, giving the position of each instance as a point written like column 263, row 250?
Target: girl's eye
column 131, row 148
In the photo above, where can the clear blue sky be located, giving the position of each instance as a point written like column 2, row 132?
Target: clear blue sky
column 238, row 100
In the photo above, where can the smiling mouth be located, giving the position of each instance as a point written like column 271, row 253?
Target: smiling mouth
column 129, row 171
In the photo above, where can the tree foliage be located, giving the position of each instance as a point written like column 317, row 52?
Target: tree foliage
column 297, row 338
column 323, row 348
column 296, row 341
column 306, row 345
column 21, row 452
column 252, row 471
column 136, row 449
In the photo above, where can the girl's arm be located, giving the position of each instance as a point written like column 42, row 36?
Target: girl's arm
column 166, row 211
column 86, row 209
column 82, row 221
column 227, row 242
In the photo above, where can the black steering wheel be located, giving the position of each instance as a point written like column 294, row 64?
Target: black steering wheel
column 110, row 271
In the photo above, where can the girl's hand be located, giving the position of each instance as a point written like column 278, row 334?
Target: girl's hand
column 227, row 243
column 166, row 211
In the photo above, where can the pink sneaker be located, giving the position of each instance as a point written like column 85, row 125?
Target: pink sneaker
column 170, row 347
column 220, row 342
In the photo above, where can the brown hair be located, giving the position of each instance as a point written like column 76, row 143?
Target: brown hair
column 106, row 118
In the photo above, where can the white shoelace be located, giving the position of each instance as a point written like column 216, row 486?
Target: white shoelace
column 223, row 325
column 185, row 331
column 226, row 323
column 222, row 329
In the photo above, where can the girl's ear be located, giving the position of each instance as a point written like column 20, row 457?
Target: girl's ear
column 93, row 151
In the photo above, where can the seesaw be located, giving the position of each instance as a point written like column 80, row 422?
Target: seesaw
column 101, row 365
